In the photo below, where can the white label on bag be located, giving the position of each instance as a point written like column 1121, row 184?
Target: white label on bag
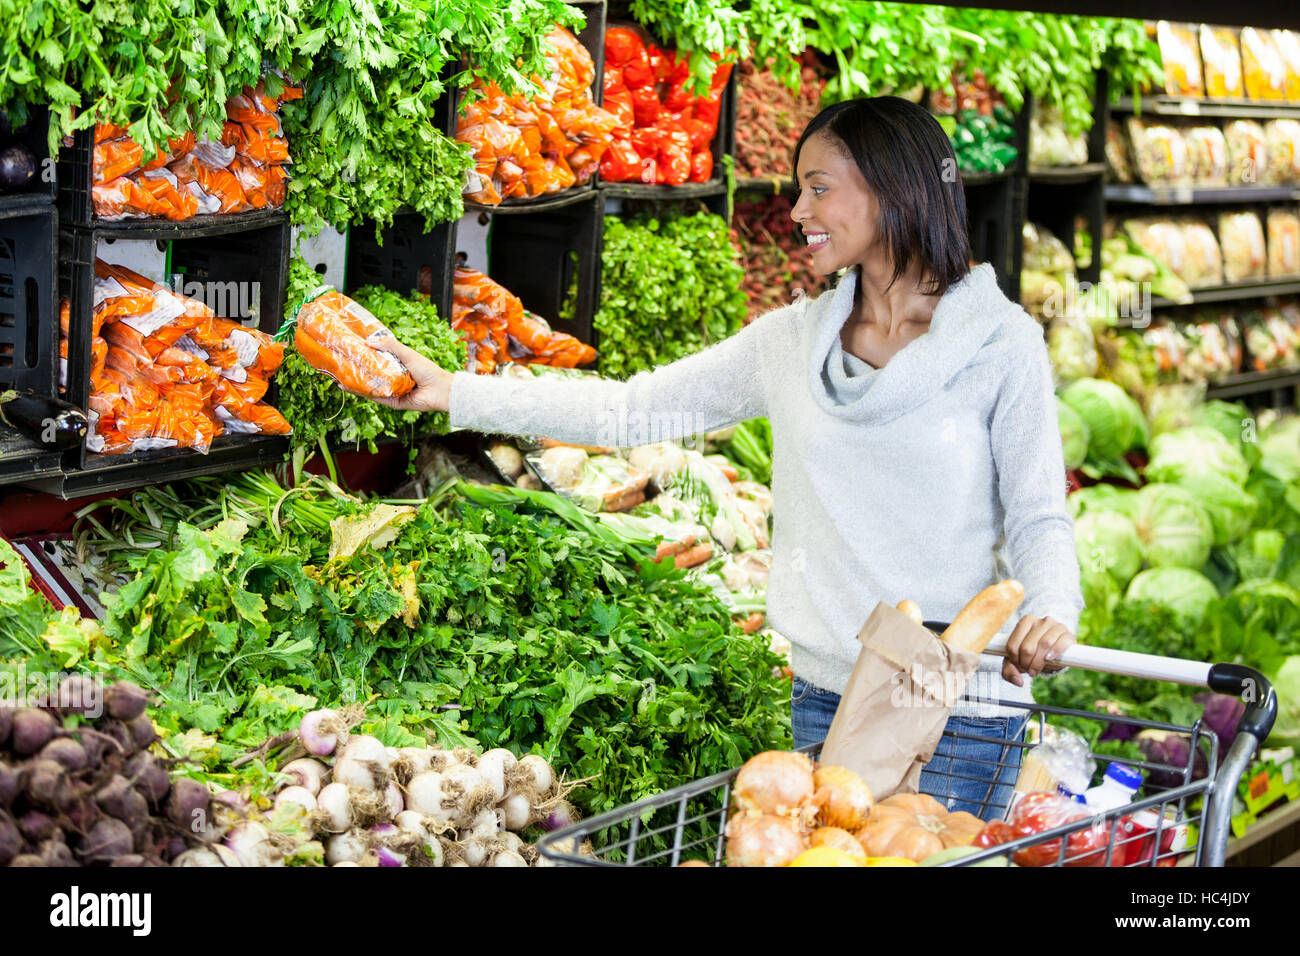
column 245, row 346
column 108, row 288
column 167, row 307
column 188, row 345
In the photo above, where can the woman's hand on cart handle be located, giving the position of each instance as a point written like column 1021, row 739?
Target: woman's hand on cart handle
column 1033, row 644
column 432, row 392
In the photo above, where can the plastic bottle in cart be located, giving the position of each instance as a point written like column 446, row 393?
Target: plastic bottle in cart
column 1118, row 789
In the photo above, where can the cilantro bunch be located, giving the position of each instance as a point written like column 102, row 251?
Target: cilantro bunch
column 669, row 287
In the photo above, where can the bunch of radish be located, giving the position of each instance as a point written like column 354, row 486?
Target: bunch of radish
column 372, row 805
column 769, row 118
column 774, row 254
column 79, row 787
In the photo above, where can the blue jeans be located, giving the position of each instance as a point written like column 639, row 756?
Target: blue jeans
column 965, row 774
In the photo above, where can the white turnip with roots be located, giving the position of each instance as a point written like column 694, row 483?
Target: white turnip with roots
column 299, row 797
column 353, row 847
column 494, row 766
column 254, row 845
column 410, row 761
column 214, row 854
column 308, row 773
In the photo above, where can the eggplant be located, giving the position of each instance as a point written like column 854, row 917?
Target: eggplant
column 17, row 168
column 49, row 421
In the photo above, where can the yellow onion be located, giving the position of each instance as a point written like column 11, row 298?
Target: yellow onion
column 844, row 796
column 828, row 856
column 762, row 839
column 837, row 839
column 775, row 781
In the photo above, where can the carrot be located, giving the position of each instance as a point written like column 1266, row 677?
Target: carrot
column 667, row 548
column 693, row 556
column 750, row 624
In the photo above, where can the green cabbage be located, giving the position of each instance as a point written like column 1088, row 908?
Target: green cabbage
column 1229, row 507
column 1174, row 527
column 1226, row 418
column 1200, row 450
column 1181, row 590
column 1074, row 435
column 1107, row 542
column 1102, row 498
column 1115, row 425
column 1256, row 555
column 1279, row 449
column 1286, row 682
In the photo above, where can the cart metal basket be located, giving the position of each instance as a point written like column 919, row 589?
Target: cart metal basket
column 1190, row 817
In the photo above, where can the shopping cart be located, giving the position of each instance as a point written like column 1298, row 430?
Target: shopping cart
column 1191, row 816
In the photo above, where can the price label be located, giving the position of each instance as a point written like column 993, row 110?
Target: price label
column 1189, row 108
column 1182, row 194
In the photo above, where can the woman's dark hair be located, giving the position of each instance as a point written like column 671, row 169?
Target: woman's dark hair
column 908, row 163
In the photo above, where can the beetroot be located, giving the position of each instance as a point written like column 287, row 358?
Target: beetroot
column 107, row 840
column 175, row 847
column 143, row 732
column 35, row 826
column 11, row 784
column 119, row 799
column 11, row 841
column 32, row 730
column 131, row 859
column 120, row 734
column 56, row 853
column 45, row 783
column 188, row 804
column 125, row 700
column 66, row 752
column 27, row 859
column 79, row 694
column 147, row 776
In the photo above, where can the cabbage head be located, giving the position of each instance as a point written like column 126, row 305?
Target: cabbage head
column 1230, row 508
column 1115, row 425
column 1102, row 498
column 1279, row 449
column 1199, row 450
column 1174, row 527
column 1286, row 682
column 1106, row 542
column 1074, row 435
column 1181, row 590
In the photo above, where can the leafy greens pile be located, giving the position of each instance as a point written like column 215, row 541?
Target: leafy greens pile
column 669, row 287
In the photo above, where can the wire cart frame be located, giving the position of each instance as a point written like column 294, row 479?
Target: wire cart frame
column 1192, row 816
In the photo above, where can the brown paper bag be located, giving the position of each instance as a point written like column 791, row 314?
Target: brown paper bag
column 899, row 695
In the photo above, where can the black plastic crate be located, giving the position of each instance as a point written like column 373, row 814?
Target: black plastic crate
column 76, row 205
column 29, row 328
column 591, row 36
column 255, row 261
column 410, row 258
column 994, row 215
column 538, row 256
column 35, row 137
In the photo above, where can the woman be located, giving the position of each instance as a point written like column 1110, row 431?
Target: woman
column 916, row 451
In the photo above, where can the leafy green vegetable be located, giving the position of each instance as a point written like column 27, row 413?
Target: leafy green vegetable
column 1074, row 434
column 1174, row 527
column 1106, row 542
column 1181, row 590
column 669, row 288
column 1115, row 425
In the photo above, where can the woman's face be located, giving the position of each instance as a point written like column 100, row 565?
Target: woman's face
column 836, row 210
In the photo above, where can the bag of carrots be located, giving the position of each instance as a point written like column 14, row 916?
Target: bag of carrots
column 340, row 338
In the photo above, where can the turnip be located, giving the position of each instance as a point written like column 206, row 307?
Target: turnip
column 107, row 840
column 533, row 775
column 393, row 799
column 427, row 795
column 143, row 732
column 11, row 783
column 307, row 773
column 119, row 799
column 150, row 779
column 188, row 804
column 346, row 863
column 409, row 762
column 232, row 800
column 125, row 701
column 392, row 846
column 45, row 783
column 559, row 817
column 469, row 791
column 333, row 808
column 296, row 796
column 35, row 826
column 321, row 732
column 79, row 694
column 479, row 841
column 27, row 859
column 56, row 853
column 363, row 763
column 507, row 858
column 352, row 846
column 32, row 730
column 518, row 811
column 253, row 845
column 11, row 841
column 494, row 765
column 66, row 752
column 214, row 855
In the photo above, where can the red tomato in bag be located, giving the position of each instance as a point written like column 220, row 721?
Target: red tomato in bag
column 1040, row 812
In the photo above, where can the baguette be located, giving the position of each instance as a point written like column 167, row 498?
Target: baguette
column 979, row 620
column 912, row 610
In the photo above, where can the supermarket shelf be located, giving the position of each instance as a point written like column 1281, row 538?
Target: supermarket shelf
column 550, row 201
column 1271, row 823
column 972, row 178
column 1223, row 108
column 772, row 185
column 193, row 228
column 118, row 472
column 714, row 187
column 1251, row 383
column 1066, row 175
column 22, row 459
column 1187, row 195
column 1229, row 293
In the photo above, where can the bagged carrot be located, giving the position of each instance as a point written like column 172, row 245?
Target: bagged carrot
column 340, row 338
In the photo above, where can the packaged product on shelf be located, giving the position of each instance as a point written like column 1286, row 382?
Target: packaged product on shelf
column 1117, row 152
column 1072, row 348
column 1247, row 152
column 1207, row 155
column 1283, row 242
column 1160, row 152
column 1262, row 65
column 498, row 329
column 596, row 482
column 1231, row 330
column 1270, row 340
column 1167, row 348
column 672, row 129
column 1180, row 53
column 1283, row 143
column 1288, row 44
column 242, row 172
column 1047, row 279
column 525, row 148
column 1050, row 144
column 1162, row 240
column 1208, row 355
column 1241, row 237
column 1222, row 58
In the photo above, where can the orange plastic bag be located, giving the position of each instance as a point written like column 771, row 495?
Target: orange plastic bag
column 114, row 158
column 702, row 166
column 336, row 336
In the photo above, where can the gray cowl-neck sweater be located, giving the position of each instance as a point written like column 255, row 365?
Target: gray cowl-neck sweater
column 927, row 479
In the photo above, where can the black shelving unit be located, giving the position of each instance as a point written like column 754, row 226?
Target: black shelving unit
column 1142, row 195
column 41, row 190
column 1277, row 382
column 1163, row 105
column 407, row 257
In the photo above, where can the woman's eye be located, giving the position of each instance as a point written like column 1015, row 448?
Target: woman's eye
column 817, row 190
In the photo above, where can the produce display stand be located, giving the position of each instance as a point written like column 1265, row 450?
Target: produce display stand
column 692, row 818
column 250, row 250
column 405, row 257
column 29, row 328
column 41, row 191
